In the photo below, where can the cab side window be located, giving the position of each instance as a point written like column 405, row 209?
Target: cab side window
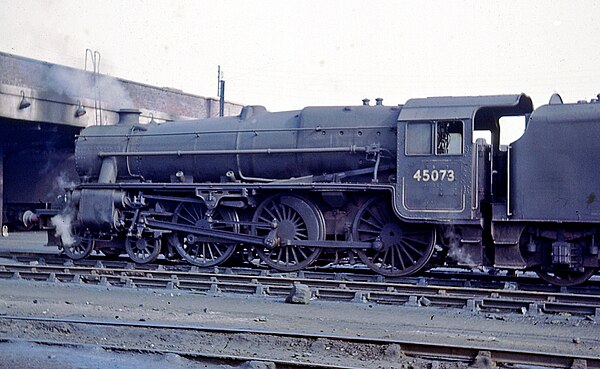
column 419, row 138
column 449, row 140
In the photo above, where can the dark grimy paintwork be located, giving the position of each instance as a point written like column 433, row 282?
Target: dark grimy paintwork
column 555, row 165
column 443, row 199
column 206, row 150
column 401, row 188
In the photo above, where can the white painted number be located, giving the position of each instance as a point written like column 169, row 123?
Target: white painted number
column 434, row 175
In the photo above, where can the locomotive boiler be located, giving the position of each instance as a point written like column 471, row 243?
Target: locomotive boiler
column 397, row 188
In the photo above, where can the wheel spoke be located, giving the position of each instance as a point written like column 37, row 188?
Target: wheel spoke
column 278, row 211
column 363, row 230
column 412, row 260
column 273, row 216
column 296, row 260
column 400, row 258
column 268, row 221
column 380, row 222
column 301, row 250
column 301, row 234
column 374, row 225
column 295, row 218
column 416, row 251
column 188, row 220
column 396, row 255
column 198, row 216
column 191, row 216
column 413, row 240
column 210, row 251
column 385, row 255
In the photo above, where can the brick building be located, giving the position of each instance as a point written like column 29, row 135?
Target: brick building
column 43, row 106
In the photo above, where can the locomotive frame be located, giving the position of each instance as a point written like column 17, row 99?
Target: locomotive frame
column 400, row 188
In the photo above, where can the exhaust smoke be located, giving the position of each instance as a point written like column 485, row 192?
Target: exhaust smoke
column 63, row 224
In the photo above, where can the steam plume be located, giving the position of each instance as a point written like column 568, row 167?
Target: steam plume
column 63, row 224
column 78, row 84
column 455, row 251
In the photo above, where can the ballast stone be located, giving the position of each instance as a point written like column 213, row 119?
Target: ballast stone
column 300, row 294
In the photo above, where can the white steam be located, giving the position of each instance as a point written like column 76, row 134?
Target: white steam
column 457, row 253
column 79, row 84
column 455, row 250
column 63, row 224
column 64, row 181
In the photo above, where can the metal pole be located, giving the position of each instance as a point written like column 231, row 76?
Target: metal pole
column 219, row 80
column 222, row 98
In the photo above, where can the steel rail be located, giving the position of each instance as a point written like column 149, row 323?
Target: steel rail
column 418, row 349
column 195, row 355
column 434, row 277
column 473, row 299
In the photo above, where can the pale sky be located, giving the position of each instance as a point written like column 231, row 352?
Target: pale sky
column 290, row 54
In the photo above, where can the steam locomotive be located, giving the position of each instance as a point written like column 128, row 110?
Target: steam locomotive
column 399, row 188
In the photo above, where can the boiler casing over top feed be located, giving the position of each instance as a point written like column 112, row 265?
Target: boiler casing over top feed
column 311, row 141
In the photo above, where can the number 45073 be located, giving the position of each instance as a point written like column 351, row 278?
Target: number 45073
column 435, row 175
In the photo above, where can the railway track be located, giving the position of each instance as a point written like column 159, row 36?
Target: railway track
column 285, row 349
column 453, row 277
column 476, row 296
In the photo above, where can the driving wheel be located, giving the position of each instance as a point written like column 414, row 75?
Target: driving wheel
column 200, row 250
column 296, row 219
column 401, row 248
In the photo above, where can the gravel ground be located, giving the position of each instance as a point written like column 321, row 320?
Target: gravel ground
column 562, row 333
column 32, row 356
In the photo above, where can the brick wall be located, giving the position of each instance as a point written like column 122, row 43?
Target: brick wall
column 114, row 93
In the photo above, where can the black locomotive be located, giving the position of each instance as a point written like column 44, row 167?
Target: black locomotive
column 400, row 188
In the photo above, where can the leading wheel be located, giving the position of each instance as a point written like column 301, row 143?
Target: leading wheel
column 143, row 250
column 200, row 250
column 80, row 246
column 405, row 248
column 297, row 219
column 566, row 278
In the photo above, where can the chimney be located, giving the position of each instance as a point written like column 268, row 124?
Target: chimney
column 129, row 116
column 366, row 102
column 379, row 101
